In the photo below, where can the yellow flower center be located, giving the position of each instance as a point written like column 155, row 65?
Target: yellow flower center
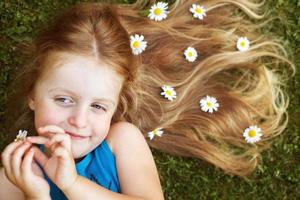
column 168, row 92
column 209, row 104
column 157, row 11
column 243, row 44
column 155, row 132
column 190, row 54
column 136, row 44
column 199, row 10
column 252, row 133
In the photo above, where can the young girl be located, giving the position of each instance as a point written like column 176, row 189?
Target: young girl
column 80, row 77
column 192, row 77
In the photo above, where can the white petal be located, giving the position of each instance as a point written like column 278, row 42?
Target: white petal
column 151, row 135
column 141, row 38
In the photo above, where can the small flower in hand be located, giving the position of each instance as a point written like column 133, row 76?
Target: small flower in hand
column 21, row 135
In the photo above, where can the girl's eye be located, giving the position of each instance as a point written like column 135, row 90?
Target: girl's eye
column 63, row 100
column 98, row 107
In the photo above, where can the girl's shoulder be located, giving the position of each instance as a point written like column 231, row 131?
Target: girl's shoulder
column 134, row 161
column 121, row 130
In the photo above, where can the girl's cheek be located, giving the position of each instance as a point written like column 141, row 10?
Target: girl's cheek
column 46, row 116
column 103, row 129
column 99, row 126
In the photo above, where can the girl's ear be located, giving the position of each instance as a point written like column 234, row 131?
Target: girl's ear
column 30, row 101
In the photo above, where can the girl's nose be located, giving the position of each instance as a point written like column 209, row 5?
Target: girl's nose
column 78, row 119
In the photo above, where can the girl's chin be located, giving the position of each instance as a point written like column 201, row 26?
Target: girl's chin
column 79, row 155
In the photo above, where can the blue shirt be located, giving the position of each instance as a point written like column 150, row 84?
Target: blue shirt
column 98, row 166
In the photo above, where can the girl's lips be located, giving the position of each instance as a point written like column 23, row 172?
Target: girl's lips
column 74, row 136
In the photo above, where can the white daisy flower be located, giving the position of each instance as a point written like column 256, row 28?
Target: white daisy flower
column 137, row 44
column 168, row 92
column 243, row 44
column 198, row 11
column 190, row 54
column 21, row 135
column 158, row 11
column 252, row 134
column 209, row 104
column 157, row 132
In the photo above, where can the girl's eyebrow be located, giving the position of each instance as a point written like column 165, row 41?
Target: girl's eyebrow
column 74, row 94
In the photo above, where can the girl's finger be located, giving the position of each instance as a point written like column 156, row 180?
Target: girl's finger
column 8, row 151
column 38, row 139
column 54, row 146
column 26, row 170
column 62, row 153
column 6, row 159
column 46, row 134
column 63, row 139
column 51, row 128
column 16, row 158
column 39, row 156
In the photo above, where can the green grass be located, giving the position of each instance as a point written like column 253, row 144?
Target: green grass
column 186, row 178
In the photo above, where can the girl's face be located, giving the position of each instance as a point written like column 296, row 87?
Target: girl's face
column 79, row 96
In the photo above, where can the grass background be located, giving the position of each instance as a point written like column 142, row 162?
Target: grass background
column 185, row 178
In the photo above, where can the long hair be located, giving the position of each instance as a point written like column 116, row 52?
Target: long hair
column 249, row 86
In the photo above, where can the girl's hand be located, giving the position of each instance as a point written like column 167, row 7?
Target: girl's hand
column 59, row 165
column 23, row 171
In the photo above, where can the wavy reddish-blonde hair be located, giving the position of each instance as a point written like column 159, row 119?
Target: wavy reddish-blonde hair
column 247, row 85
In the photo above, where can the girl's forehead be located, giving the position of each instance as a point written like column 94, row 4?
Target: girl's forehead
column 70, row 65
column 84, row 74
